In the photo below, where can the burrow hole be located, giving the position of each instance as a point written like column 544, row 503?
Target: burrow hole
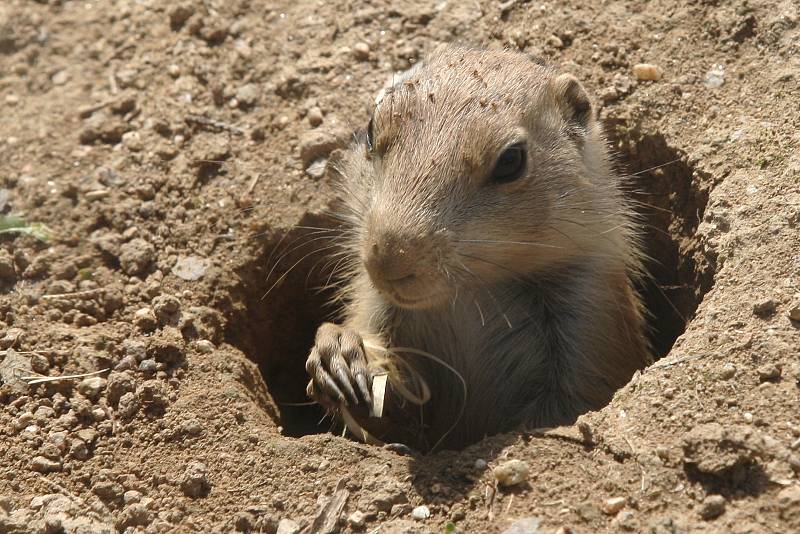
column 277, row 331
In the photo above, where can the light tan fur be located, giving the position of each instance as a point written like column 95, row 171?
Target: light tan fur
column 525, row 288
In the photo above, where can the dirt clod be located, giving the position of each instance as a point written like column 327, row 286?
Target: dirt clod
column 194, row 482
column 765, row 308
column 721, row 451
column 769, row 373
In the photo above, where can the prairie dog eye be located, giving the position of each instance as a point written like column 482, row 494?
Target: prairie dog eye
column 510, row 165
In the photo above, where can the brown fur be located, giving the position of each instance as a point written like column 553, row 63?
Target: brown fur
column 525, row 288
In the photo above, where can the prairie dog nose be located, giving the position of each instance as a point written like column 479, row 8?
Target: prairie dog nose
column 390, row 258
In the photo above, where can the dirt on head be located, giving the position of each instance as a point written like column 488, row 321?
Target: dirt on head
column 165, row 189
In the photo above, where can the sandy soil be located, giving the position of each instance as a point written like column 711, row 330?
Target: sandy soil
column 173, row 147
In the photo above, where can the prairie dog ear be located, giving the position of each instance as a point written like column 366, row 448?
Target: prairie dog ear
column 573, row 101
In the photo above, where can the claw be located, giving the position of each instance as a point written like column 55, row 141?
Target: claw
column 342, row 373
column 363, row 386
column 333, row 389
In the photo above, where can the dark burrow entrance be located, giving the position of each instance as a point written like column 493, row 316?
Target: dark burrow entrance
column 278, row 331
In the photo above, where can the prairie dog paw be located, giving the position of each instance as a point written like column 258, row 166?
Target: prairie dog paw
column 337, row 366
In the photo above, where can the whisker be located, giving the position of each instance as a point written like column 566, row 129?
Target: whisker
column 292, row 267
column 285, row 254
column 485, row 287
column 499, row 242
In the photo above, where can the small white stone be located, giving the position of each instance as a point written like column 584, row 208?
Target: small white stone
column 357, row 519
column 715, row 77
column 480, row 463
column 421, row 512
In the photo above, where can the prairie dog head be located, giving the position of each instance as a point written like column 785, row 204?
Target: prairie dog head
column 479, row 167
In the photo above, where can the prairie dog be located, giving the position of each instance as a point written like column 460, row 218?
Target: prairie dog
column 487, row 232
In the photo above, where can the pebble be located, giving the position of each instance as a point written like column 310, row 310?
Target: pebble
column 647, row 72
column 728, row 371
column 79, row 450
column 118, row 385
column 613, row 505
column 315, row 144
column 92, row 387
column 190, row 268
column 768, row 373
column 194, row 482
column 357, row 519
column 204, row 346
column 135, row 256
column 40, row 464
column 247, row 95
column 131, row 497
column 715, row 77
column 145, row 319
column 765, row 308
column 152, row 392
column 179, row 14
column 361, row 51
column 793, row 313
column 480, row 463
column 421, row 512
column 133, row 142
column 317, row 169
column 526, row 525
column 609, row 94
column 128, row 405
column 148, row 366
column 315, row 116
column 712, row 507
column 287, row 526
column 44, row 412
column 165, row 306
column 12, row 100
column 555, row 41
column 60, row 78
column 174, row 70
column 511, row 473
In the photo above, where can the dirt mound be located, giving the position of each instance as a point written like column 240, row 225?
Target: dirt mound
column 166, row 162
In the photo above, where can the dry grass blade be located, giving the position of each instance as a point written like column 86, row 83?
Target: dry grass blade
column 38, row 379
